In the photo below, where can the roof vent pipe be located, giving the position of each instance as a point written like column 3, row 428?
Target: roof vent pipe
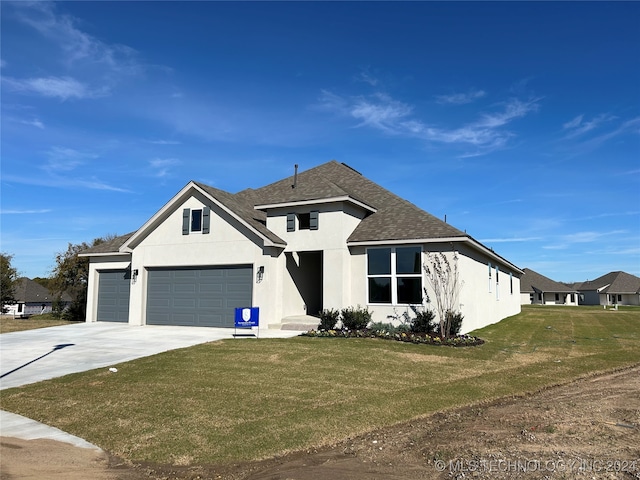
column 295, row 176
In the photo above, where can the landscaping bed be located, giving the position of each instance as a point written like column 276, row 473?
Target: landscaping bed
column 409, row 337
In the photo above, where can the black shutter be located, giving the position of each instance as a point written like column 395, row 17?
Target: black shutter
column 206, row 221
column 186, row 217
column 313, row 220
column 291, row 222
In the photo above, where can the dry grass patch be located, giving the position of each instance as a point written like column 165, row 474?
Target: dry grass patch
column 10, row 324
column 240, row 400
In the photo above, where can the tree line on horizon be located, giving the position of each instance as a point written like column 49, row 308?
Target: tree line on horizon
column 70, row 274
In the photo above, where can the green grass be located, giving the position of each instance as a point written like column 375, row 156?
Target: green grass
column 248, row 399
column 10, row 324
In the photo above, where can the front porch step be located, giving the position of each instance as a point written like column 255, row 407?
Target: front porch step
column 297, row 322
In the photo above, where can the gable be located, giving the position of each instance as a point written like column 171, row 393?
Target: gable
column 169, row 222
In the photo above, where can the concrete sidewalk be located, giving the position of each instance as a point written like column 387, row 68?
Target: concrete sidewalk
column 34, row 355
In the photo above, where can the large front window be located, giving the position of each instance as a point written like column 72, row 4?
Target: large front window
column 394, row 275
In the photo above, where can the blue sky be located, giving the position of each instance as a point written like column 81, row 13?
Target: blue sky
column 518, row 121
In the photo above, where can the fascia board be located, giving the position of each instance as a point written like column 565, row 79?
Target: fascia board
column 155, row 220
column 318, row 201
column 106, row 254
column 473, row 243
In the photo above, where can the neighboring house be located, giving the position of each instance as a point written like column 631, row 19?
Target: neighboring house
column 33, row 299
column 324, row 238
column 614, row 288
column 537, row 289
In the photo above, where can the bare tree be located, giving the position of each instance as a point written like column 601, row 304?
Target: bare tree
column 443, row 278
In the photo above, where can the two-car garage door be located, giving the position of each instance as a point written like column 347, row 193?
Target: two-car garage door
column 205, row 297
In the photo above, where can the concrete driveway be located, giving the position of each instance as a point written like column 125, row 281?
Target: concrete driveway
column 34, row 355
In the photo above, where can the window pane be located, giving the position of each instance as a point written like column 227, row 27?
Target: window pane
column 380, row 290
column 379, row 261
column 408, row 260
column 304, row 221
column 196, row 220
column 410, row 290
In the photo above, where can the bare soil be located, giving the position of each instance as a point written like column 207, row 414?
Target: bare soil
column 587, row 429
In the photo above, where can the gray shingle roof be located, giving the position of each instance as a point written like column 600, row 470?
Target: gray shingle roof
column 533, row 281
column 30, row 291
column 395, row 219
column 240, row 206
column 619, row 282
column 110, row 246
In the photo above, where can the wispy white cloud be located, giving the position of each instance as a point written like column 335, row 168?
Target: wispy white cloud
column 569, row 240
column 162, row 166
column 95, row 65
column 63, row 88
column 579, row 126
column 63, row 181
column 383, row 112
column 34, row 123
column 165, row 142
column 366, row 77
column 511, row 239
column 64, row 159
column 460, row 98
column 77, row 45
column 24, row 212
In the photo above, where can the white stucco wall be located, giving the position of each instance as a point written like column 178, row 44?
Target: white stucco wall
column 479, row 306
column 336, row 221
column 110, row 262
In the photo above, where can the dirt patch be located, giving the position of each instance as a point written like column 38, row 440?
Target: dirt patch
column 586, row 429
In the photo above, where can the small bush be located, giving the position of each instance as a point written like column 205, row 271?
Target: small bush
column 455, row 322
column 328, row 319
column 424, row 322
column 383, row 327
column 355, row 318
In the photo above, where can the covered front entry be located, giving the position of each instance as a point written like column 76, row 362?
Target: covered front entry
column 305, row 269
column 203, row 297
column 113, row 295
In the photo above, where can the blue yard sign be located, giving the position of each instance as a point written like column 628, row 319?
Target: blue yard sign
column 247, row 317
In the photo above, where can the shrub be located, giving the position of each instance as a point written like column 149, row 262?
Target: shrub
column 355, row 318
column 455, row 322
column 328, row 319
column 383, row 327
column 424, row 322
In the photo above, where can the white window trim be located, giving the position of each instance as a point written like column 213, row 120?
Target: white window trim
column 393, row 275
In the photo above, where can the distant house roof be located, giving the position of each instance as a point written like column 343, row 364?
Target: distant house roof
column 613, row 282
column 28, row 291
column 533, row 281
column 388, row 217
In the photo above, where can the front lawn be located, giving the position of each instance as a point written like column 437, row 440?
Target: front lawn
column 247, row 399
column 10, row 324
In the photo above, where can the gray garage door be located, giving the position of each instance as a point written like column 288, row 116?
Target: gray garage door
column 113, row 295
column 203, row 297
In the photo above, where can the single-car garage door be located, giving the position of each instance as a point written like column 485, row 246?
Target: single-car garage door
column 203, row 297
column 113, row 295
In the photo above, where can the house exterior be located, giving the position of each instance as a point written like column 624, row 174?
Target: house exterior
column 324, row 238
column 536, row 289
column 614, row 288
column 33, row 299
